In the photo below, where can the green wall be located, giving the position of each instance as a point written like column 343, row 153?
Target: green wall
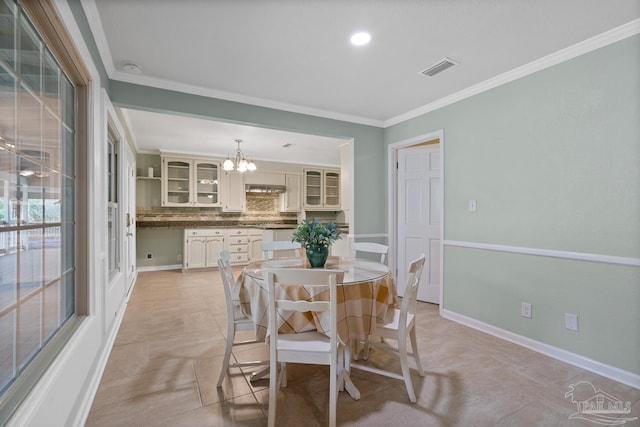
column 370, row 177
column 553, row 160
column 81, row 20
column 164, row 245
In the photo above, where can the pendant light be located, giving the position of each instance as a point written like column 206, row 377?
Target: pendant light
column 241, row 164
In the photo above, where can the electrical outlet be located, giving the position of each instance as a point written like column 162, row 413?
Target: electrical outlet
column 571, row 322
column 179, row 257
column 525, row 310
column 149, row 255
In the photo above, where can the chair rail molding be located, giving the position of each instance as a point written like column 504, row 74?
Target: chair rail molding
column 550, row 253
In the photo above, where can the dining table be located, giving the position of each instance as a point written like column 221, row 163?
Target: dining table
column 366, row 295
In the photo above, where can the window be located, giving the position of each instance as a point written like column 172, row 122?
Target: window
column 42, row 189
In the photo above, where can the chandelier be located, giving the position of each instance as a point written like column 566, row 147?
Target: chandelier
column 241, row 164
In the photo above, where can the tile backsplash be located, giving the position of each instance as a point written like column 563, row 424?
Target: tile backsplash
column 261, row 208
column 257, row 202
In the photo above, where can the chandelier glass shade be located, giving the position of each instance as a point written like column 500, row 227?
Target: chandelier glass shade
column 240, row 163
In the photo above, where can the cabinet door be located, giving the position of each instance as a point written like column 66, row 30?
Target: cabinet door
column 312, row 188
column 214, row 246
column 291, row 200
column 234, row 195
column 255, row 248
column 195, row 248
column 176, row 182
column 331, row 189
column 206, row 183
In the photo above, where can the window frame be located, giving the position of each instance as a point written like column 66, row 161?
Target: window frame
column 43, row 16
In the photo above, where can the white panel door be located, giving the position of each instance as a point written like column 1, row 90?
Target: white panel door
column 419, row 217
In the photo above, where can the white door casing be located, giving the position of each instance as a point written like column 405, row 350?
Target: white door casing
column 129, row 199
column 430, row 219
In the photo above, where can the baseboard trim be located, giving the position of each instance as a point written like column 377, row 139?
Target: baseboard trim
column 85, row 405
column 611, row 372
column 160, row 267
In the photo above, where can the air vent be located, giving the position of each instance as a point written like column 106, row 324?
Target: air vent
column 439, row 67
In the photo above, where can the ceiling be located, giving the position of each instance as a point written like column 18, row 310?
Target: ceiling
column 296, row 56
column 179, row 134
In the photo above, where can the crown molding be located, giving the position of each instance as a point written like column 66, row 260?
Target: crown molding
column 95, row 25
column 234, row 97
column 93, row 17
column 601, row 40
column 608, row 37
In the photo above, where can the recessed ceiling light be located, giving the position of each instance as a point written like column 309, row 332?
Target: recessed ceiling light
column 131, row 67
column 360, row 39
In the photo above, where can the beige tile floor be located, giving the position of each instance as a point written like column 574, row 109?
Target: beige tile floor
column 164, row 365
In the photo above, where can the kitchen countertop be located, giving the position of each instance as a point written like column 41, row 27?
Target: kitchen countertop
column 223, row 224
column 211, row 224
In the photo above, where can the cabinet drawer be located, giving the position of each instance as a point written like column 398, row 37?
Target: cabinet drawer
column 204, row 232
column 243, row 257
column 237, row 232
column 234, row 249
column 238, row 240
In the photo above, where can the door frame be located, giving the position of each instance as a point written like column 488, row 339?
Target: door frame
column 392, row 202
column 129, row 205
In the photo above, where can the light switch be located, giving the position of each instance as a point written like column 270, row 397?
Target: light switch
column 473, row 205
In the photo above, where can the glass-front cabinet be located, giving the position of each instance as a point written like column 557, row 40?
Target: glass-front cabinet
column 176, row 179
column 207, row 175
column 332, row 189
column 188, row 182
column 312, row 188
column 321, row 189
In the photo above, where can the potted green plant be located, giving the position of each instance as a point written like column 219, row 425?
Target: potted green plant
column 316, row 238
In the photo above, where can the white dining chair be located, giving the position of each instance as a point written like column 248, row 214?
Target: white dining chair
column 236, row 319
column 371, row 247
column 310, row 347
column 401, row 327
column 271, row 248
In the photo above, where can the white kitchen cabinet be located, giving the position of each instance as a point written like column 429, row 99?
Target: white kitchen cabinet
column 190, row 182
column 321, row 189
column 255, row 245
column 234, row 197
column 331, row 189
column 236, row 241
column 291, row 199
column 176, row 182
column 206, row 183
column 201, row 247
column 281, row 234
